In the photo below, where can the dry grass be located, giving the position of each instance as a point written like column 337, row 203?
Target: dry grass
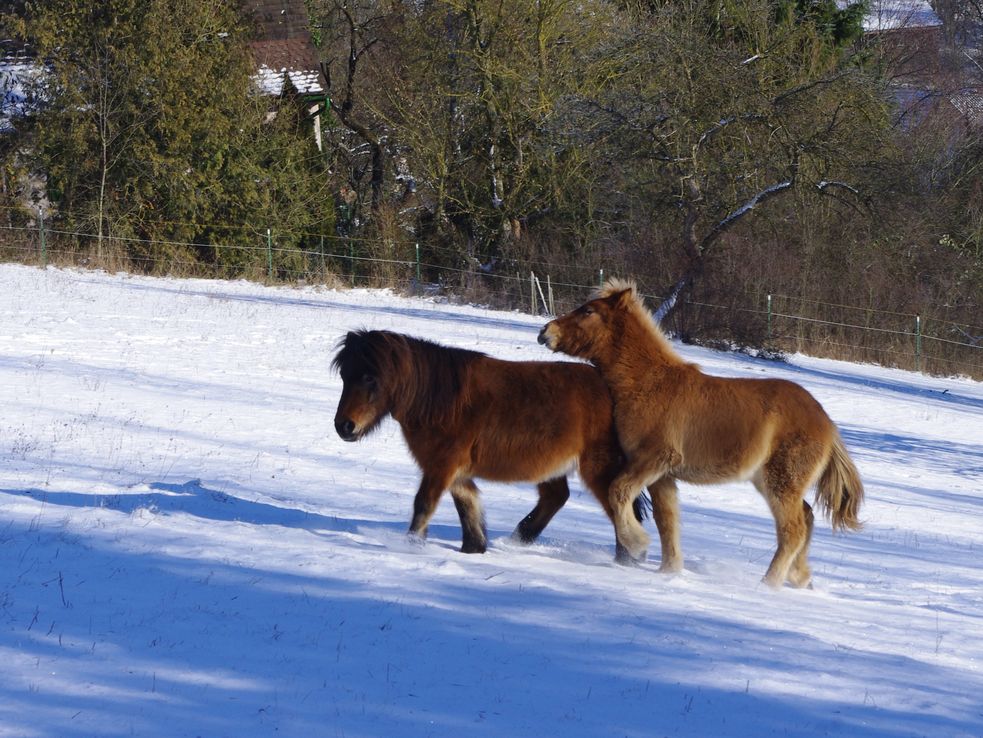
column 725, row 310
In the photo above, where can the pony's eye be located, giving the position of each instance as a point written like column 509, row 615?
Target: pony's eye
column 588, row 310
column 369, row 381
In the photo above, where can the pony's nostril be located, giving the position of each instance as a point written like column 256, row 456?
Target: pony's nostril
column 542, row 336
column 345, row 428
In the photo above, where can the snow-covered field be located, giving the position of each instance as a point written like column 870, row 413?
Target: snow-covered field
column 188, row 549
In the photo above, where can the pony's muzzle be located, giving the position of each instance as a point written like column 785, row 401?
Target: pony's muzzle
column 544, row 337
column 346, row 429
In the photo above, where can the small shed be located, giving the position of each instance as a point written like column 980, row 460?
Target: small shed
column 286, row 59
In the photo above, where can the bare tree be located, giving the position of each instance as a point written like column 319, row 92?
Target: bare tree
column 718, row 132
column 356, row 38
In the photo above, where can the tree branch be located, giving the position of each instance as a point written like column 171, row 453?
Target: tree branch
column 734, row 216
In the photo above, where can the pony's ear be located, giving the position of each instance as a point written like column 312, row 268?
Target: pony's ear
column 349, row 341
column 623, row 297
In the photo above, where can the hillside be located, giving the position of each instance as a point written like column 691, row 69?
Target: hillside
column 188, row 549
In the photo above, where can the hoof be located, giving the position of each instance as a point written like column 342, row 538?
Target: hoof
column 800, row 581
column 623, row 556
column 519, row 535
column 473, row 548
column 772, row 585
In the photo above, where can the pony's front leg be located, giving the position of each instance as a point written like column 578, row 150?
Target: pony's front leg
column 632, row 540
column 425, row 503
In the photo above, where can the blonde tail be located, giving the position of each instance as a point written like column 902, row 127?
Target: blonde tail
column 840, row 491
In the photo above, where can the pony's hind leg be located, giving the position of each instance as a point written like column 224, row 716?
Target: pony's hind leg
column 665, row 510
column 553, row 494
column 800, row 575
column 474, row 538
column 793, row 535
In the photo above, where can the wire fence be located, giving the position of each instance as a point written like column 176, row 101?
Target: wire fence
column 935, row 344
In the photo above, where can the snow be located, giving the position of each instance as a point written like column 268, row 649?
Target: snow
column 892, row 15
column 272, row 81
column 17, row 75
column 188, row 549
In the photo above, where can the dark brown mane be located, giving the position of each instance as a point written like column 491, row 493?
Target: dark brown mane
column 423, row 380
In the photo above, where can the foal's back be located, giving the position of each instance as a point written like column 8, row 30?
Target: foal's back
column 728, row 428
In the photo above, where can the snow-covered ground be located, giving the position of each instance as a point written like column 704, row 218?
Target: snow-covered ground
column 188, row 549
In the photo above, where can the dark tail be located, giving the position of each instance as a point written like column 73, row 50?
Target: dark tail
column 642, row 506
column 840, row 491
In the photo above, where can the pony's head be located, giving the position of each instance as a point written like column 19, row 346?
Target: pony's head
column 416, row 381
column 590, row 331
column 362, row 360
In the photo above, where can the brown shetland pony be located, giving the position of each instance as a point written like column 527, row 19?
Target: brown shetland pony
column 467, row 415
column 676, row 423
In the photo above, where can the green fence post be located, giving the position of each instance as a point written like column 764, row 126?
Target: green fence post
column 769, row 318
column 600, row 281
column 918, row 343
column 418, row 265
column 323, row 266
column 44, row 246
column 269, row 253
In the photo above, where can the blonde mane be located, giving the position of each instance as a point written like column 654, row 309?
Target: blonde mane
column 644, row 317
column 616, row 284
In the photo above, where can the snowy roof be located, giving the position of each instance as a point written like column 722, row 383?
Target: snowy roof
column 17, row 73
column 282, row 49
column 915, row 104
column 970, row 104
column 287, row 59
column 893, row 15
column 273, row 81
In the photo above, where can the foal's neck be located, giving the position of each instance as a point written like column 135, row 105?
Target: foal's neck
column 641, row 347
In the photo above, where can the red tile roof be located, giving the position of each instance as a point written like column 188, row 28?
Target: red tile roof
column 278, row 19
column 282, row 47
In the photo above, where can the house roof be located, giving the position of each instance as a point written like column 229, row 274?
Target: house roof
column 282, row 47
column 278, row 19
column 970, row 104
column 287, row 60
column 894, row 15
column 18, row 70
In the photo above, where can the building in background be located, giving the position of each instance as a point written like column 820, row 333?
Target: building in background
column 286, row 59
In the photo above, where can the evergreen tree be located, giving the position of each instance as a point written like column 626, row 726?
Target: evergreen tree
column 152, row 135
